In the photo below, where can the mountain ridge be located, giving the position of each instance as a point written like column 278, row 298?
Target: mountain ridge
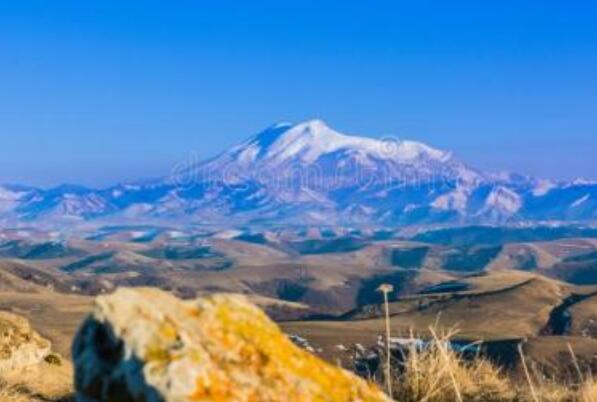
column 310, row 173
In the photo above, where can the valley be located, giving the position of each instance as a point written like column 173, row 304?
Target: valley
column 520, row 285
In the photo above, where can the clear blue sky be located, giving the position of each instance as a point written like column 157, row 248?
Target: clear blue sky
column 95, row 92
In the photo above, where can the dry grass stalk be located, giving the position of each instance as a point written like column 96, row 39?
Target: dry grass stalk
column 527, row 374
column 435, row 373
column 443, row 349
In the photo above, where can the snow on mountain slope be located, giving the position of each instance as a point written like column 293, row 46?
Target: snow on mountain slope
column 455, row 200
column 10, row 198
column 580, row 201
column 543, row 187
column 504, row 199
column 567, row 201
column 309, row 172
column 501, row 204
column 313, row 141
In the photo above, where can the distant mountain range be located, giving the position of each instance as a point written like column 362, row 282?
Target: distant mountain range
column 310, row 174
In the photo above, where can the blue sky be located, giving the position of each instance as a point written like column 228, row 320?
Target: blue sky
column 95, row 92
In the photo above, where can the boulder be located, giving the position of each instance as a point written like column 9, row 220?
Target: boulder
column 147, row 345
column 20, row 345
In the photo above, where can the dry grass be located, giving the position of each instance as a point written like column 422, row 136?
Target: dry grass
column 588, row 392
column 438, row 374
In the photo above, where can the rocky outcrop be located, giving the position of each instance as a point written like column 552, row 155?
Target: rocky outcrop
column 147, row 345
column 20, row 345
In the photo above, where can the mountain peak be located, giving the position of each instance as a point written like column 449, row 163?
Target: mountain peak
column 310, row 140
column 312, row 129
column 315, row 126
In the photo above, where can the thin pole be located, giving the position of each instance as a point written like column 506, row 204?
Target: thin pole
column 388, row 351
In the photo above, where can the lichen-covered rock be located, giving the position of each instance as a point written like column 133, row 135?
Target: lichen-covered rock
column 146, row 345
column 20, row 345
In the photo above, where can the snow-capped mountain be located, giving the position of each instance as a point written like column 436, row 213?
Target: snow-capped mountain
column 309, row 142
column 310, row 173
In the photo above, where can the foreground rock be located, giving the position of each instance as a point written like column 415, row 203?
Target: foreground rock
column 146, row 345
column 20, row 345
column 29, row 370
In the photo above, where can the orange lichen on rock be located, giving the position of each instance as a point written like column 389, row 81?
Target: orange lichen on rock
column 219, row 348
